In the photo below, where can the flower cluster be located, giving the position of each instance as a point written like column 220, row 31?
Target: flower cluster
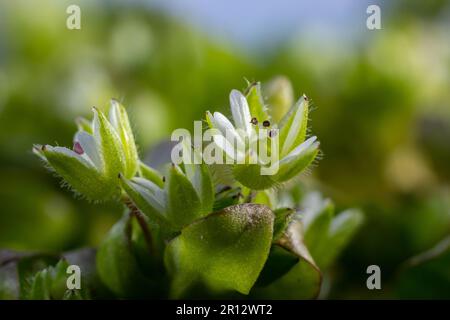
column 184, row 226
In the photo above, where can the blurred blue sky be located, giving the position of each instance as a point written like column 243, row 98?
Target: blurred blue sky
column 260, row 24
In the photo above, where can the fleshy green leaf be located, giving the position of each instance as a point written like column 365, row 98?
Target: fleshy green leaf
column 119, row 120
column 225, row 250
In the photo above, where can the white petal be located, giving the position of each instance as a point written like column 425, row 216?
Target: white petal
column 156, row 200
column 226, row 128
column 114, row 114
column 90, row 148
column 227, row 147
column 147, row 184
column 240, row 111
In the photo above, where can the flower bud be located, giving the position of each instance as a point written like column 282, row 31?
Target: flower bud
column 280, row 97
column 185, row 196
column 102, row 150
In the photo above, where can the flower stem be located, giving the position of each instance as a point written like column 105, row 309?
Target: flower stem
column 140, row 218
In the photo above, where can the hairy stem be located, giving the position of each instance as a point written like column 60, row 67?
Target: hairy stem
column 140, row 218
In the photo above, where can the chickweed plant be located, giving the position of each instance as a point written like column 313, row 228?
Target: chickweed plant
column 224, row 219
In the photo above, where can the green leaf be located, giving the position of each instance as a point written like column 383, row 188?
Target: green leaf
column 33, row 276
column 290, row 271
column 342, row 229
column 293, row 126
column 184, row 205
column 49, row 283
column 119, row 120
column 110, row 146
column 256, row 102
column 81, row 175
column 117, row 266
column 325, row 235
column 317, row 225
column 225, row 250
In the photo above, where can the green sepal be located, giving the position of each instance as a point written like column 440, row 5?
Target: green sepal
column 84, row 124
column 183, row 203
column 151, row 174
column 256, row 102
column 119, row 120
column 293, row 126
column 110, row 146
column 291, row 166
column 81, row 175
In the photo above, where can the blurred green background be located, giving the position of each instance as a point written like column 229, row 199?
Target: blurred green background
column 381, row 111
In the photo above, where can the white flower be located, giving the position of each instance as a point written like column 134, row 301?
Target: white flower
column 288, row 152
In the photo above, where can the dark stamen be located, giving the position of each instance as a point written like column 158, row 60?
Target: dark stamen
column 254, row 121
column 272, row 133
column 266, row 123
